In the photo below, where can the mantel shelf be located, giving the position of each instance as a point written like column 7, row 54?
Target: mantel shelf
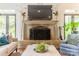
column 41, row 22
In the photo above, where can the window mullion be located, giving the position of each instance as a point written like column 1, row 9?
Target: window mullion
column 7, row 24
column 72, row 23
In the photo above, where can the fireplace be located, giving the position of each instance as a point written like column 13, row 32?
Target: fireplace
column 36, row 30
column 40, row 30
column 40, row 33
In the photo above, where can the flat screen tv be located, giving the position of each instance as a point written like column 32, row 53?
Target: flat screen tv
column 39, row 12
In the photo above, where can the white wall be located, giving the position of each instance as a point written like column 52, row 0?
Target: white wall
column 65, row 6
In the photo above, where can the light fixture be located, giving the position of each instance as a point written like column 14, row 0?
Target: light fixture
column 55, row 13
column 24, row 11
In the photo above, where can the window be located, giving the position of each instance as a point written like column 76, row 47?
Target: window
column 8, row 24
column 71, row 24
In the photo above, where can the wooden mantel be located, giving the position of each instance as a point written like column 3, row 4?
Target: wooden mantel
column 41, row 22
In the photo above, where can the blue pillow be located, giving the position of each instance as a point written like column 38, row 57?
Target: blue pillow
column 3, row 40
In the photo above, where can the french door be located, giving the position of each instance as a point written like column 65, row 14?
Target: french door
column 8, row 24
column 71, row 22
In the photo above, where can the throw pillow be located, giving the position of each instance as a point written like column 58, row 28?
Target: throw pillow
column 3, row 40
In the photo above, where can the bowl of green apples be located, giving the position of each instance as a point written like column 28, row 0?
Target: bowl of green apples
column 41, row 48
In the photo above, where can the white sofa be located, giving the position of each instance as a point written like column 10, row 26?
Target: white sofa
column 6, row 50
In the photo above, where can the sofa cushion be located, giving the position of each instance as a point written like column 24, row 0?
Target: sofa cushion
column 69, row 51
column 3, row 40
column 3, row 50
column 69, row 46
column 73, row 39
column 7, row 49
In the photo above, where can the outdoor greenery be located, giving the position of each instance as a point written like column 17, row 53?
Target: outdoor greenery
column 2, row 24
column 12, row 25
column 71, row 27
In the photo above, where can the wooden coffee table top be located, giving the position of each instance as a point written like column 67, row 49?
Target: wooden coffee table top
column 29, row 51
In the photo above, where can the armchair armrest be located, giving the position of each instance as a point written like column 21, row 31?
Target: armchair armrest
column 64, row 41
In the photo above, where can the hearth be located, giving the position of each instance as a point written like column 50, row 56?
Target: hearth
column 40, row 33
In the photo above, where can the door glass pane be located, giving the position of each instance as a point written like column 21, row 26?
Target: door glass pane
column 2, row 25
column 76, row 22
column 68, row 27
column 12, row 25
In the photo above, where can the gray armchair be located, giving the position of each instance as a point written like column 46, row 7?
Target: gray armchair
column 71, row 45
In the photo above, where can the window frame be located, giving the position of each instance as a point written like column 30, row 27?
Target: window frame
column 7, row 22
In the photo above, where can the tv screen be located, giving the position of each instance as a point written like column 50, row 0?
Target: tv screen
column 39, row 12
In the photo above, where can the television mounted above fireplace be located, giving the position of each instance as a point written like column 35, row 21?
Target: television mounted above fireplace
column 39, row 12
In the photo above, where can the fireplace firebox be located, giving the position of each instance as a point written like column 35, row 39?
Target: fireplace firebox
column 40, row 33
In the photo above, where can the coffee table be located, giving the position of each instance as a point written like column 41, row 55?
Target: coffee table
column 29, row 51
